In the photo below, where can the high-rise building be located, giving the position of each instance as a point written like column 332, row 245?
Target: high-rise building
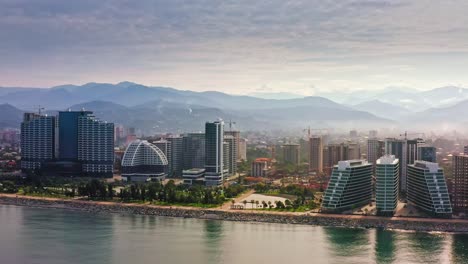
column 460, row 183
column 214, row 153
column 465, row 150
column 373, row 134
column 194, row 151
column 37, row 141
column 406, row 151
column 350, row 186
column 351, row 151
column 386, row 186
column 243, row 149
column 143, row 161
column 84, row 145
column 427, row 188
column 165, row 147
column 231, row 161
column 316, row 154
column 375, row 150
column 95, row 146
column 176, row 160
column 353, row 134
column 236, row 135
column 427, row 153
column 291, row 153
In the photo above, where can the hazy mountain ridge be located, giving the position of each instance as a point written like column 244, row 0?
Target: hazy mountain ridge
column 169, row 109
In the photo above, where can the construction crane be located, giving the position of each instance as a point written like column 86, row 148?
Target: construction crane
column 406, row 134
column 39, row 109
column 230, row 124
column 320, row 130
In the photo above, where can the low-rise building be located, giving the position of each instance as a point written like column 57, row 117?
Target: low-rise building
column 193, row 176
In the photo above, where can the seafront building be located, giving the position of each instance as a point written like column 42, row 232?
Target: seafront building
column 176, row 159
column 37, row 141
column 143, row 161
column 194, row 150
column 242, row 149
column 74, row 144
column 194, row 176
column 350, row 186
column 460, row 183
column 316, row 154
column 214, row 153
column 386, row 186
column 427, row 189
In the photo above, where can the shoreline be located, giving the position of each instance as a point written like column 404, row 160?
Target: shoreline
column 316, row 219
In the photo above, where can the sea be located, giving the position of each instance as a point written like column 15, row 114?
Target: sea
column 42, row 235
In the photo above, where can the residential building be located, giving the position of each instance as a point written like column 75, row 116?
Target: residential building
column 37, row 141
column 465, row 150
column 231, row 161
column 375, row 149
column 95, row 146
column 460, row 183
column 373, row 134
column 406, row 151
column 316, row 154
column 214, row 153
column 194, row 150
column 427, row 188
column 386, row 185
column 350, row 186
column 291, row 154
column 243, row 149
column 176, row 159
column 260, row 167
column 236, row 135
column 143, row 161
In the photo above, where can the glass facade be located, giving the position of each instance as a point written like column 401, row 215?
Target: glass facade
column 427, row 189
column 386, row 186
column 350, row 186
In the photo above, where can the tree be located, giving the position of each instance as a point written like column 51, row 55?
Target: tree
column 287, row 203
column 270, row 204
column 264, row 204
column 245, row 204
column 280, row 205
column 256, row 204
column 252, row 202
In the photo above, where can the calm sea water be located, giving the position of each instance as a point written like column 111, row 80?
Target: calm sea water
column 32, row 235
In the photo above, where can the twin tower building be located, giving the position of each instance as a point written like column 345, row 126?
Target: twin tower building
column 353, row 184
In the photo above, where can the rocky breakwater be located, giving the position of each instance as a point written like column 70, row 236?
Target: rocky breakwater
column 439, row 225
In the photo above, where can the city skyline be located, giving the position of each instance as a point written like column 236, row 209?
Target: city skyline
column 304, row 48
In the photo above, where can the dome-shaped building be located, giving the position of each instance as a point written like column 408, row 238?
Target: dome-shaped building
column 143, row 161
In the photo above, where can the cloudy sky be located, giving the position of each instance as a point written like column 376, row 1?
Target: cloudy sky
column 239, row 47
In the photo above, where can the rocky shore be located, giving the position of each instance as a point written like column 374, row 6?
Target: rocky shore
column 414, row 224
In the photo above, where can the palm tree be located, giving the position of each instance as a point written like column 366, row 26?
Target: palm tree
column 232, row 203
column 252, row 202
column 256, row 204
column 269, row 204
column 245, row 204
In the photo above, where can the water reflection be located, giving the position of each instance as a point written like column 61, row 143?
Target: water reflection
column 460, row 248
column 347, row 242
column 66, row 234
column 385, row 246
column 213, row 240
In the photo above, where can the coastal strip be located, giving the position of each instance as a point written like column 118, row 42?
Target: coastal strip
column 351, row 221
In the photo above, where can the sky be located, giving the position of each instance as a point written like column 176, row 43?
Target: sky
column 239, row 47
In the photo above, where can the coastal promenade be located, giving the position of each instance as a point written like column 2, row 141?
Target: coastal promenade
column 222, row 213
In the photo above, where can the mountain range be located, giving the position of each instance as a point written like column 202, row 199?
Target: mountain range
column 165, row 109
